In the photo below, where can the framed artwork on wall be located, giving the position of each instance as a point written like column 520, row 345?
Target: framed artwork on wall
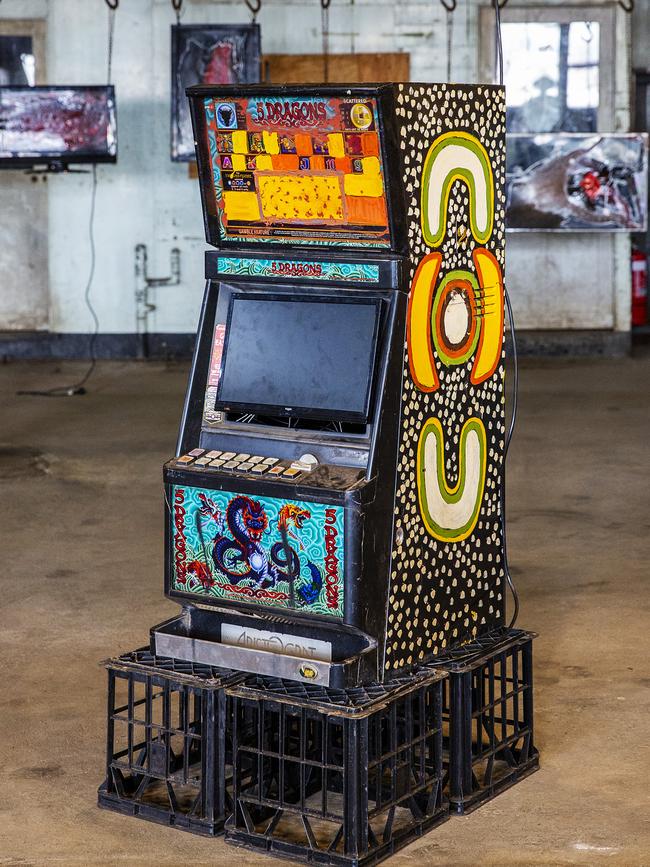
column 208, row 54
column 570, row 181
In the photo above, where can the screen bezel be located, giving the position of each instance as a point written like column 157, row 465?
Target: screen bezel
column 318, row 413
column 63, row 158
column 391, row 161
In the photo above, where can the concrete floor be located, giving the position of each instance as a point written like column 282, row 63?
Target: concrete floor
column 82, row 544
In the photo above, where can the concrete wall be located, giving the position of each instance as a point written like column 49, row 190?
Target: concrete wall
column 147, row 199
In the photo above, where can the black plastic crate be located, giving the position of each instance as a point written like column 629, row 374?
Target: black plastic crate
column 168, row 749
column 488, row 717
column 337, row 777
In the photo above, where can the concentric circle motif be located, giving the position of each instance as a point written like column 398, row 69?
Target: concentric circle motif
column 454, row 320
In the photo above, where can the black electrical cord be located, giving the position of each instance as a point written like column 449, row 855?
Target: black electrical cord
column 498, row 52
column 498, row 45
column 78, row 387
column 502, row 494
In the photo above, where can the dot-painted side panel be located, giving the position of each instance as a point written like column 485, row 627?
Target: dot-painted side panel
column 442, row 592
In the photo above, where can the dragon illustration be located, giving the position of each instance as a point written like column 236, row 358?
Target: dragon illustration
column 240, row 556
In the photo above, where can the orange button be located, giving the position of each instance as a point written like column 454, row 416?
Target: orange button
column 303, row 144
column 370, row 144
column 343, row 164
column 366, row 211
column 285, row 162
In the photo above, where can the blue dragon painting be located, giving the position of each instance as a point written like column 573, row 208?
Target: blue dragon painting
column 240, row 555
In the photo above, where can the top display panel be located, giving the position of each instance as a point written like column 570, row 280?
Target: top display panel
column 303, row 169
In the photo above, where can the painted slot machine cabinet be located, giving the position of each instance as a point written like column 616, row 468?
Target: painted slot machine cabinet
column 334, row 511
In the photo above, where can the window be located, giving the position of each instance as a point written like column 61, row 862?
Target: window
column 551, row 76
column 559, row 64
column 17, row 61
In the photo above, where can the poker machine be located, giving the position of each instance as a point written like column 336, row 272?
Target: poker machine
column 334, row 510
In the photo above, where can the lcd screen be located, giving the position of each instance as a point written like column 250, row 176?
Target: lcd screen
column 58, row 124
column 299, row 357
column 292, row 169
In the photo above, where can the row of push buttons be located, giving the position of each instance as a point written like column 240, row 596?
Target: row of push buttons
column 257, row 465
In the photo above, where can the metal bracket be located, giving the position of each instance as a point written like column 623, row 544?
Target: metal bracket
column 144, row 306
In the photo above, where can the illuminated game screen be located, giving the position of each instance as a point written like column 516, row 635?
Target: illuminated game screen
column 304, row 357
column 299, row 169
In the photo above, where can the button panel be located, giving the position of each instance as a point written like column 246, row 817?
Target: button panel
column 254, row 465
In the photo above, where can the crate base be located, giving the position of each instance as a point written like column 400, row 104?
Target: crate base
column 168, row 750
column 305, row 854
column 336, row 777
column 162, row 816
column 488, row 717
column 467, row 805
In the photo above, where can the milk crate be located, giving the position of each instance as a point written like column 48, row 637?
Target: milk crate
column 168, row 750
column 336, row 777
column 487, row 711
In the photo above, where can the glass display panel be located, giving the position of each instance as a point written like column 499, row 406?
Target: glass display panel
column 299, row 357
column 298, row 169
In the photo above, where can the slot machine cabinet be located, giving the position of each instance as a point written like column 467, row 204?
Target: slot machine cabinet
column 334, row 505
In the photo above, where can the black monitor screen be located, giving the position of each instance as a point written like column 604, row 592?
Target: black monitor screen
column 299, row 356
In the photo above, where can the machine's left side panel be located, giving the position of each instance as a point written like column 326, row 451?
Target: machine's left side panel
column 190, row 426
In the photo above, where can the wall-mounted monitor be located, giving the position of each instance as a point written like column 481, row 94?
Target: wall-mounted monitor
column 208, row 54
column 57, row 125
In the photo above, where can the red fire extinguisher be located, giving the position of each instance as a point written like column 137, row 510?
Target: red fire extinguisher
column 639, row 288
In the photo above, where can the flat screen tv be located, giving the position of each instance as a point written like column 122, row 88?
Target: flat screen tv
column 305, row 356
column 57, row 125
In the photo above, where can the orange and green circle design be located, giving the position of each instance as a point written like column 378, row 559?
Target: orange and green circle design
column 454, row 320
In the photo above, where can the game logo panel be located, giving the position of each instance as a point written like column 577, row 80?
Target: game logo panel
column 298, row 169
column 258, row 550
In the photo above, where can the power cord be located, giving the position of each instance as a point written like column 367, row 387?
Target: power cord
column 78, row 387
column 498, row 44
column 502, row 494
column 498, row 55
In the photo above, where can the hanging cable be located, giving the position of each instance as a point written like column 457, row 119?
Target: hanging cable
column 498, row 58
column 498, row 46
column 325, row 28
column 112, row 8
column 450, row 7
column 449, row 37
column 78, row 387
column 502, row 496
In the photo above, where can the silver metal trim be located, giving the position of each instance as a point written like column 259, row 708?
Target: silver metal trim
column 255, row 661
